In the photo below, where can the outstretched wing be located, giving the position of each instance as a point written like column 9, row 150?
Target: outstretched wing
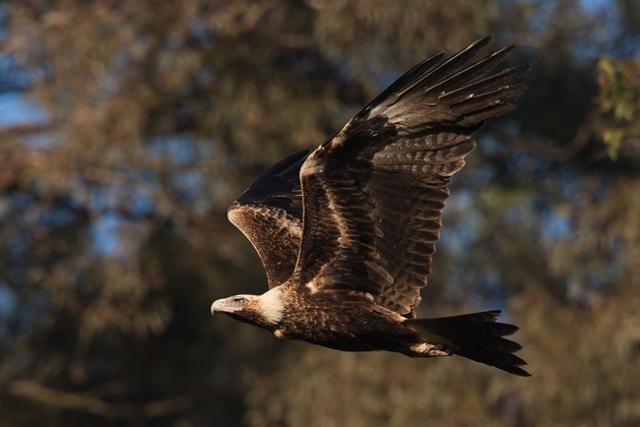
column 373, row 195
column 269, row 214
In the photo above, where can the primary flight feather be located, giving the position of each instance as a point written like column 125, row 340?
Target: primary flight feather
column 346, row 233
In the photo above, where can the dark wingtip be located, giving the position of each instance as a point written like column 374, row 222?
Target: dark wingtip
column 480, row 43
column 503, row 51
column 472, row 50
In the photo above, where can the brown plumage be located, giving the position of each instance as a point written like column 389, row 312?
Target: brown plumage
column 269, row 213
column 346, row 233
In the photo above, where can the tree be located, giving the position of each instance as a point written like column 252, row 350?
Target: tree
column 155, row 115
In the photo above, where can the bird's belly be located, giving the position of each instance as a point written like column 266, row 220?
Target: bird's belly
column 353, row 330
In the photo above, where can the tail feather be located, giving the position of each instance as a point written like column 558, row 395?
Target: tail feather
column 475, row 336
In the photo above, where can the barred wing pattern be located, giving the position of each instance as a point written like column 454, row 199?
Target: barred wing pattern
column 269, row 214
column 373, row 195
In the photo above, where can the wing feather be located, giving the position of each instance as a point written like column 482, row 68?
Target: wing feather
column 269, row 214
column 373, row 195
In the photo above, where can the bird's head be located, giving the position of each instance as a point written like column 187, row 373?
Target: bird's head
column 264, row 310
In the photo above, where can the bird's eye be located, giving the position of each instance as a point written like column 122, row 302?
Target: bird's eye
column 241, row 300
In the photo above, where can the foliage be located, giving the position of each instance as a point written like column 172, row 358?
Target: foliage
column 620, row 99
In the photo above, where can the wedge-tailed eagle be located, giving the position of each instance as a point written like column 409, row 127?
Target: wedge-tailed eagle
column 346, row 233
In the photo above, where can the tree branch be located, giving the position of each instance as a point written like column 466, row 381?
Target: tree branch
column 548, row 148
column 10, row 132
column 93, row 405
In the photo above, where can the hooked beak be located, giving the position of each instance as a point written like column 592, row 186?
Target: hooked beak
column 225, row 305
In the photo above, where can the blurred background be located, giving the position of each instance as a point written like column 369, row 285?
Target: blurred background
column 127, row 127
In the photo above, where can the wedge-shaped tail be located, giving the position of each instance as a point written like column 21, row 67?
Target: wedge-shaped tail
column 475, row 336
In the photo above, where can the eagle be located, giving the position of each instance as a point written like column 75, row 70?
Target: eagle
column 347, row 231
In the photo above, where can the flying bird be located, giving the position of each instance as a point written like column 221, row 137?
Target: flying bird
column 346, row 232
